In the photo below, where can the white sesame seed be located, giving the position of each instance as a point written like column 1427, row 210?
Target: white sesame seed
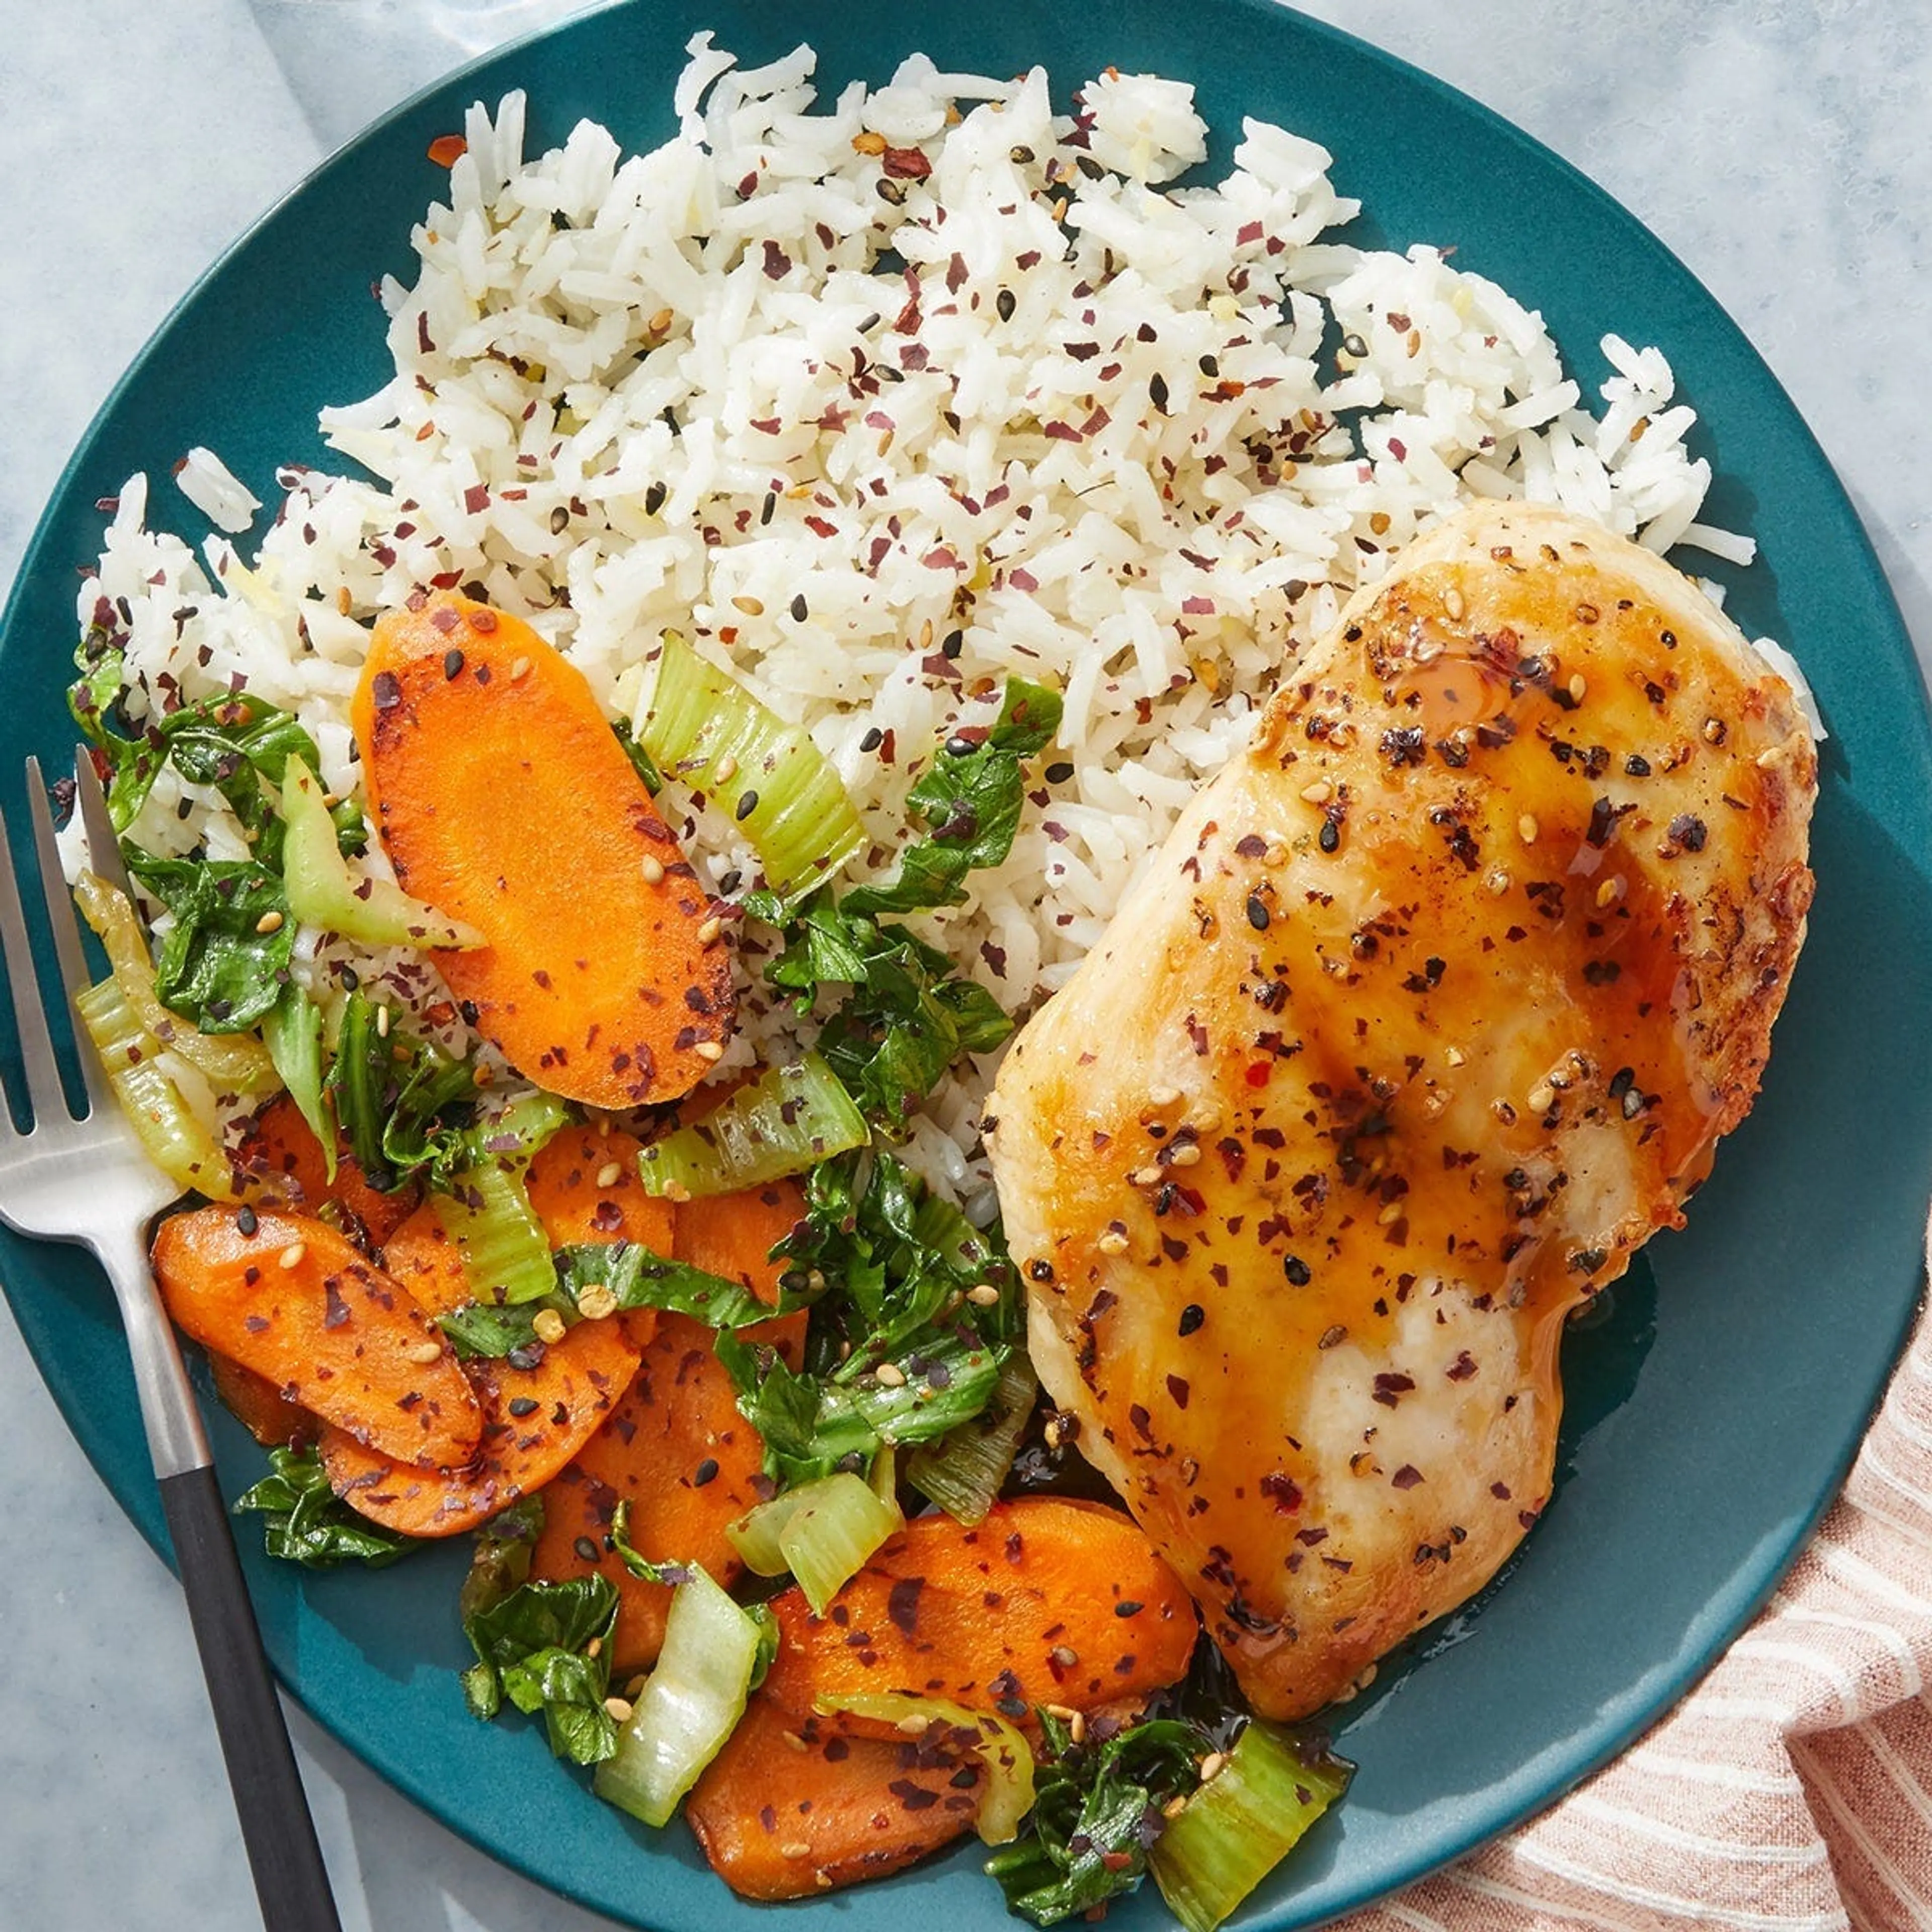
column 709, row 1049
column 610, row 1174
column 726, row 770
column 1497, row 882
column 1113, row 1242
column 1452, row 601
column 269, row 922
column 1162, row 1096
column 381, row 1022
column 653, row 869
column 1455, row 1056
column 709, row 931
column 1540, row 1096
column 1184, row 1153
column 1211, row 1765
column 984, row 1295
column 1320, row 792
column 618, row 1708
column 424, row 1353
column 1145, row 1176
column 1610, row 892
column 1526, row 828
column 750, row 606
column 913, row 1724
column 291, row 1256
column 890, row 1374
column 796, row 1850
column 1577, row 688
column 1390, row 1215
column 520, row 668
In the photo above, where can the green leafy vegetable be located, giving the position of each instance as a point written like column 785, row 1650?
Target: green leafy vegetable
column 971, row 796
column 908, row 1016
column 306, row 1522
column 225, row 959
column 291, row 1030
column 547, row 1647
column 1098, row 1808
column 501, row 1560
column 822, row 1532
column 391, row 1093
column 963, row 1471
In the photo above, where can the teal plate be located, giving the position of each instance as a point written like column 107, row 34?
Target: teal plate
column 1714, row 1408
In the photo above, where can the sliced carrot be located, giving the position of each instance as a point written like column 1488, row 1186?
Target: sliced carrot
column 423, row 1256
column 504, row 798
column 295, row 1302
column 678, row 1451
column 282, row 1151
column 733, row 1235
column 535, row 1420
column 584, row 1186
column 791, row 1808
column 1045, row 1602
column 260, row 1407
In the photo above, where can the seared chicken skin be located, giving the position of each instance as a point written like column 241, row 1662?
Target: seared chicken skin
column 1431, row 1011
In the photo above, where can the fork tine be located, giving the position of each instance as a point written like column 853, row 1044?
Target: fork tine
column 66, row 930
column 103, row 848
column 37, row 1046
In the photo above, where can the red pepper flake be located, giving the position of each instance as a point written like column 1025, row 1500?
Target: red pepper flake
column 1398, row 449
column 1407, row 1477
column 819, row 527
column 955, row 274
column 1061, row 432
column 902, row 1604
column 1199, row 607
column 778, row 263
column 1177, row 1387
column 476, row 500
column 907, row 163
column 940, row 558
column 1022, row 579
column 446, row 150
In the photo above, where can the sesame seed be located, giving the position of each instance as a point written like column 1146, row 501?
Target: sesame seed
column 1540, row 1097
column 269, row 922
column 1452, row 602
column 1610, row 892
column 596, row 1302
column 520, row 667
column 890, row 1374
column 1455, row 1056
column 1390, row 1215
column 1184, row 1153
column 1497, row 882
column 709, row 1049
column 1050, row 1432
column 1320, row 792
column 548, row 1325
column 610, row 1174
column 381, row 1022
column 1145, row 1176
column 983, row 1295
column 1211, row 1765
column 1526, row 828
column 424, row 1353
column 794, row 1742
column 653, row 869
column 291, row 1256
column 1577, row 688
column 1113, row 1242
column 1174, row 1808
column 913, row 1724
column 796, row 1850
column 750, row 606
column 1162, row 1096
column 1065, row 1655
column 618, row 1708
column 709, row 931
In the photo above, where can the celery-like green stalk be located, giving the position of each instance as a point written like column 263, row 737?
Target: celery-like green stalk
column 1241, row 1824
column 822, row 1532
column 702, row 727
column 788, row 1119
column 963, row 1471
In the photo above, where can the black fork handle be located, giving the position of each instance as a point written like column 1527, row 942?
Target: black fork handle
column 291, row 1881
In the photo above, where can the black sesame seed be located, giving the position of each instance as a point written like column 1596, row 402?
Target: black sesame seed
column 350, row 977
column 1005, row 304
column 731, row 881
column 1192, row 1317
column 952, row 644
column 960, row 747
column 245, row 1223
column 452, row 664
column 585, row 1548
column 1127, row 1607
column 747, row 805
column 1039, row 1270
column 1329, row 837
column 654, row 499
column 707, row 1471
column 1209, row 366
column 771, row 504
column 1257, row 914
column 1059, row 772
column 798, row 608
column 872, row 740
column 1637, row 766
column 1297, row 1270
column 1157, row 392
column 522, row 1405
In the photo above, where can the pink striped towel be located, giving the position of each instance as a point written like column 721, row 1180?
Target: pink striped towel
column 1791, row 1791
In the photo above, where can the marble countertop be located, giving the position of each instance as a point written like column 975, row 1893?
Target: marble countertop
column 1778, row 146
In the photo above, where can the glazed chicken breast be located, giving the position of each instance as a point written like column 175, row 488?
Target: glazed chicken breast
column 1431, row 1011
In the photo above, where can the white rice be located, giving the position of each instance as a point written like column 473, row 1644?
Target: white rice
column 1073, row 426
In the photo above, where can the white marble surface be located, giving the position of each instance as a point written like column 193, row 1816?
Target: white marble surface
column 1779, row 146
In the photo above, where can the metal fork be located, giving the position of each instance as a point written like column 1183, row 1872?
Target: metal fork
column 87, row 1180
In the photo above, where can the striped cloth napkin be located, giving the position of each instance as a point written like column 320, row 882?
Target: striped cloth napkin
column 1791, row 1791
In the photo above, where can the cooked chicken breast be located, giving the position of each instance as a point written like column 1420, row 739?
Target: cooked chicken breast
column 1431, row 1010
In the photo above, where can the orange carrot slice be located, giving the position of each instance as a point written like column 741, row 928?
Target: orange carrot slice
column 504, row 798
column 260, row 1407
column 535, row 1420
column 296, row 1303
column 1045, row 1602
column 283, row 1151
column 790, row 1808
column 584, row 1186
